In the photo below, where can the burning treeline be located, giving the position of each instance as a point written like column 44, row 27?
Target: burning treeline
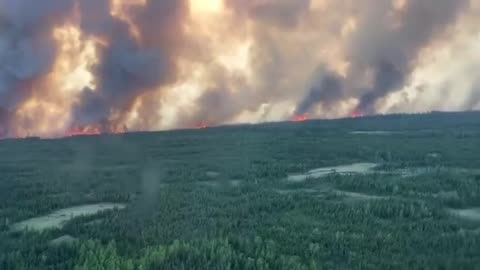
column 91, row 66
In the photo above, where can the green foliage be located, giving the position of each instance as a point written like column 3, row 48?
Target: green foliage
column 246, row 215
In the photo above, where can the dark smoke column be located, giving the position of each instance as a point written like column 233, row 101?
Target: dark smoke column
column 390, row 49
column 27, row 50
column 326, row 90
column 130, row 65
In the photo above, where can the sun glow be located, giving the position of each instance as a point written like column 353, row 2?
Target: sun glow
column 206, row 6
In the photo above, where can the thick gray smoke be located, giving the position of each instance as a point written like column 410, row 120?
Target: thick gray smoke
column 383, row 47
column 4, row 118
column 367, row 50
column 473, row 102
column 281, row 13
column 130, row 63
column 231, row 96
column 390, row 51
column 128, row 67
column 326, row 90
column 218, row 105
column 387, row 78
column 27, row 51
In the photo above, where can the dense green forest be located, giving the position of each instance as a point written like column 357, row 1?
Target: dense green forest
column 220, row 198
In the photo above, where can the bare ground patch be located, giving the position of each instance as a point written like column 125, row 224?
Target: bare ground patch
column 235, row 183
column 356, row 196
column 57, row 219
column 323, row 191
column 472, row 214
column 373, row 132
column 292, row 191
column 357, row 168
column 212, row 174
column 63, row 240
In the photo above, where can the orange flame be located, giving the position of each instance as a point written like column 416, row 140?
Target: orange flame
column 357, row 114
column 83, row 132
column 94, row 131
column 300, row 118
column 202, row 125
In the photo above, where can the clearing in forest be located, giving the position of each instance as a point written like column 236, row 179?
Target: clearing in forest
column 373, row 132
column 472, row 214
column 355, row 196
column 357, row 168
column 57, row 219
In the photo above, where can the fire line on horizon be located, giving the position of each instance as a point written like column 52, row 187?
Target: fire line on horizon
column 73, row 67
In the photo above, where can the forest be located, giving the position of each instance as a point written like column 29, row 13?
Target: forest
column 221, row 198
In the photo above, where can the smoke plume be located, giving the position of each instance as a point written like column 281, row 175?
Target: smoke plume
column 89, row 66
column 128, row 66
column 327, row 90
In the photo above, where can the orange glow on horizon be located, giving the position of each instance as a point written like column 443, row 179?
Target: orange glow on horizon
column 300, row 118
column 357, row 114
column 202, row 125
